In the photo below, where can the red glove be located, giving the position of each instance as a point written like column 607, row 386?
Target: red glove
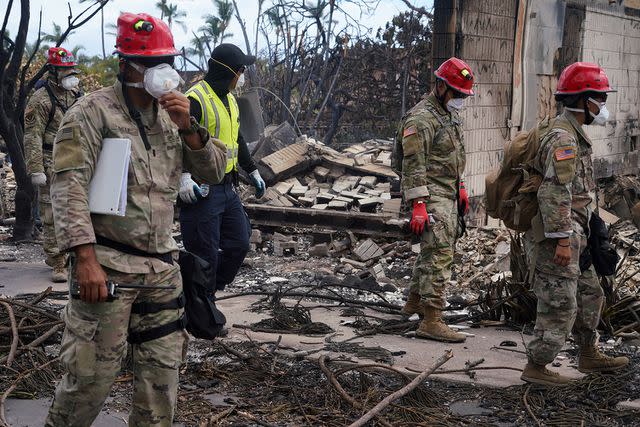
column 463, row 200
column 419, row 218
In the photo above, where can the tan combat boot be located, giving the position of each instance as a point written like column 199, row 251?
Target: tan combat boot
column 539, row 374
column 413, row 305
column 591, row 360
column 434, row 328
column 59, row 274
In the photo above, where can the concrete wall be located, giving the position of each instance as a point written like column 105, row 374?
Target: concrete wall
column 518, row 48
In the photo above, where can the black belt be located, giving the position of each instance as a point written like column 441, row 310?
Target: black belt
column 130, row 250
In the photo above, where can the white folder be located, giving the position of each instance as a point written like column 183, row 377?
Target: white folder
column 108, row 187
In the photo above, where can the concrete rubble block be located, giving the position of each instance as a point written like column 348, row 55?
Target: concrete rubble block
column 373, row 193
column 312, row 193
column 347, row 200
column 383, row 187
column 321, row 173
column 385, row 196
column 293, row 180
column 298, row 190
column 324, row 197
column 307, row 201
column 287, row 162
column 369, row 181
column 336, row 172
column 392, row 207
column 363, row 159
column 353, row 195
column 338, row 205
column 280, row 237
column 377, row 271
column 367, row 250
column 355, row 149
column 282, row 188
column 256, row 236
column 285, row 248
column 341, row 245
column 320, row 206
column 384, row 158
column 369, row 204
column 320, row 250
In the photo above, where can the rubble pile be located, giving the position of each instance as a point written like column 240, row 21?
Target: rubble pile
column 302, row 172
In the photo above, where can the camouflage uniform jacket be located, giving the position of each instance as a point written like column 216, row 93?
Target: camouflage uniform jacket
column 433, row 151
column 38, row 137
column 153, row 180
column 568, row 189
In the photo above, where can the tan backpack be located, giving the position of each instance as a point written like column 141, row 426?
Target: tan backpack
column 511, row 190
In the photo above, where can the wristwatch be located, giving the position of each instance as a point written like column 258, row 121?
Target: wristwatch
column 195, row 128
column 191, row 129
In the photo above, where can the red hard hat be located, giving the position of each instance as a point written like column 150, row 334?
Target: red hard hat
column 457, row 75
column 582, row 77
column 60, row 57
column 143, row 35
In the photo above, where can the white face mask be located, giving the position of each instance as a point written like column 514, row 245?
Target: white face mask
column 455, row 104
column 601, row 118
column 240, row 81
column 158, row 80
column 70, row 82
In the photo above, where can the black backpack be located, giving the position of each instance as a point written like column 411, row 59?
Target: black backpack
column 203, row 318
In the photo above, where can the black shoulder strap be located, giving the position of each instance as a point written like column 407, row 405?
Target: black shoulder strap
column 54, row 103
column 135, row 115
column 157, row 332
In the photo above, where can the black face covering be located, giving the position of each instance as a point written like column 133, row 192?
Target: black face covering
column 219, row 78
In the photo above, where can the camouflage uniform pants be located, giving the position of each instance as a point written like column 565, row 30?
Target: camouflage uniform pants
column 432, row 269
column 50, row 245
column 95, row 342
column 568, row 300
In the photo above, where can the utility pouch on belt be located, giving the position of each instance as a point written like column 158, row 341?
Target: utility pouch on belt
column 204, row 320
column 603, row 255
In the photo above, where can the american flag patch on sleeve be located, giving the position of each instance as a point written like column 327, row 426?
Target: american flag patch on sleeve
column 411, row 130
column 565, row 154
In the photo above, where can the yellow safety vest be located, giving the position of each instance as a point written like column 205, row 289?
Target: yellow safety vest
column 216, row 118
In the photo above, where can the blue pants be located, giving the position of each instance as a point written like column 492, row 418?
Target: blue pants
column 217, row 229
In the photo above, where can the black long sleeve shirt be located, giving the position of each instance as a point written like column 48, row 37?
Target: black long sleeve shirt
column 244, row 157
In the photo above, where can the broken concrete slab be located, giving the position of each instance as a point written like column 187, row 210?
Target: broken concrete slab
column 282, row 187
column 369, row 181
column 307, row 201
column 298, row 190
column 369, row 204
column 324, row 197
column 338, row 205
column 368, row 250
column 319, row 206
column 321, row 173
column 286, row 162
column 256, row 236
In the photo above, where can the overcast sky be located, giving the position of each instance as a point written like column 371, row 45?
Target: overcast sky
column 89, row 35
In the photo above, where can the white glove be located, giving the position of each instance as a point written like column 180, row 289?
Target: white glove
column 188, row 188
column 38, row 179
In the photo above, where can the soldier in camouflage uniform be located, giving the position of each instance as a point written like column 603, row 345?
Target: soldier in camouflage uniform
column 42, row 118
column 134, row 249
column 432, row 166
column 568, row 300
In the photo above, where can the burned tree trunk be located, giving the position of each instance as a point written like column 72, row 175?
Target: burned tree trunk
column 14, row 92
